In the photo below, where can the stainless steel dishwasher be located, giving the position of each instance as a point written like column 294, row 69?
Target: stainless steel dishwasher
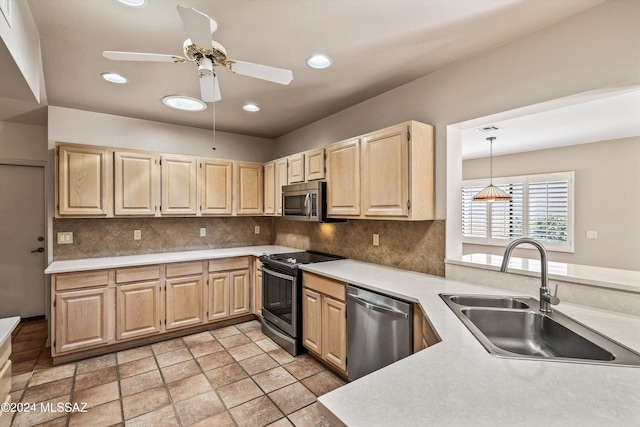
column 379, row 331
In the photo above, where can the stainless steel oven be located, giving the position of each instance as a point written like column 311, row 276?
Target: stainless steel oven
column 282, row 296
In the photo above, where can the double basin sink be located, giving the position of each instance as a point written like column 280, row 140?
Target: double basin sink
column 515, row 327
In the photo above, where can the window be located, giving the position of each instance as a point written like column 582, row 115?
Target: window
column 541, row 208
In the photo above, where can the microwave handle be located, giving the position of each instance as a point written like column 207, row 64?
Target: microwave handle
column 307, row 207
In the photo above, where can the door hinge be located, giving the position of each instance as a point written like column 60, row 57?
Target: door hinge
column 165, row 322
column 160, row 161
column 408, row 136
column 54, row 343
column 54, row 303
column 408, row 204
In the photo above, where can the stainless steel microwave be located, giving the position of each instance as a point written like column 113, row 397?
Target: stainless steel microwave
column 306, row 202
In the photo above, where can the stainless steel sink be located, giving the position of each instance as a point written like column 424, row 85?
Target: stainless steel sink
column 489, row 301
column 508, row 329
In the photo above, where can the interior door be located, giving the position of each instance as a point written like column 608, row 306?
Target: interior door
column 22, row 257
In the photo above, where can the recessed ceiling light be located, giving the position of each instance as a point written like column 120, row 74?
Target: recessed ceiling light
column 319, row 61
column 113, row 78
column 251, row 107
column 184, row 103
column 134, row 3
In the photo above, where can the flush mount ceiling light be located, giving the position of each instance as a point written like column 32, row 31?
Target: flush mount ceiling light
column 251, row 107
column 113, row 78
column 491, row 193
column 133, row 3
column 184, row 103
column 319, row 61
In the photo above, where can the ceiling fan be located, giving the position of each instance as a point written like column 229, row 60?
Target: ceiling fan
column 206, row 53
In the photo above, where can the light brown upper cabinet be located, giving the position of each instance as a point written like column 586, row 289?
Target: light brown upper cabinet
column 282, row 171
column 179, row 185
column 343, row 178
column 314, row 164
column 296, row 168
column 249, row 188
column 84, row 181
column 270, row 188
column 135, row 183
column 393, row 174
column 216, row 187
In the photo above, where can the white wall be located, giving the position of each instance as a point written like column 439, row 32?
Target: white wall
column 597, row 48
column 607, row 198
column 85, row 127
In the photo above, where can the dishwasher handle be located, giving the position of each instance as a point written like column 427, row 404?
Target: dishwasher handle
column 379, row 308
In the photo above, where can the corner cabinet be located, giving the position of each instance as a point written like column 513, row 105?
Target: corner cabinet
column 249, row 188
column 83, row 181
column 387, row 174
column 324, row 319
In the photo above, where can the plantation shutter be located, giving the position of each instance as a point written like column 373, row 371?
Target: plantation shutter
column 548, row 210
column 507, row 217
column 474, row 215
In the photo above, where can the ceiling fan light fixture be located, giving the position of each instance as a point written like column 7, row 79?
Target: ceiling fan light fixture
column 251, row 108
column 113, row 78
column 184, row 103
column 319, row 61
column 133, row 3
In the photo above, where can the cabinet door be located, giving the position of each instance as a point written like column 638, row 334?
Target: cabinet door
column 216, row 187
column 269, row 188
column 296, row 168
column 343, row 178
column 218, row 296
column 81, row 319
column 184, row 301
column 282, row 174
column 257, row 286
column 249, row 188
column 385, row 172
column 135, row 183
column 179, row 185
column 138, row 309
column 240, row 293
column 334, row 332
column 314, row 164
column 83, row 180
column 312, row 320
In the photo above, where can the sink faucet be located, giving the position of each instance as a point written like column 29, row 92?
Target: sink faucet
column 546, row 299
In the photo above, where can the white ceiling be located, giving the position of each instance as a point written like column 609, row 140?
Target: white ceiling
column 376, row 45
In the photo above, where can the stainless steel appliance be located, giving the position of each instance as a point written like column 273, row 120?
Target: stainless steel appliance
column 306, row 202
column 379, row 331
column 282, row 296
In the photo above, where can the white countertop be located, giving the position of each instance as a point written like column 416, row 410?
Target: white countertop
column 160, row 258
column 7, row 325
column 458, row 383
column 612, row 278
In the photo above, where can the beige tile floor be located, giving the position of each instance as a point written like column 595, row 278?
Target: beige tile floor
column 234, row 376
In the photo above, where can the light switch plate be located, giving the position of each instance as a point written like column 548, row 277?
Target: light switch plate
column 376, row 240
column 203, row 232
column 65, row 238
column 592, row 235
column 137, row 234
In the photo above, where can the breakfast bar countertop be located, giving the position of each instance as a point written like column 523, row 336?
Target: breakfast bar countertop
column 456, row 382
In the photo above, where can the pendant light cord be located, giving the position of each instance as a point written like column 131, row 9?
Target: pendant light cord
column 491, row 138
column 214, row 110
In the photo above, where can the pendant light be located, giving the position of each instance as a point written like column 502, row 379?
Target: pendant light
column 491, row 193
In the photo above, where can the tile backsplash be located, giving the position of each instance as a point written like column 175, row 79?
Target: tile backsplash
column 103, row 237
column 417, row 246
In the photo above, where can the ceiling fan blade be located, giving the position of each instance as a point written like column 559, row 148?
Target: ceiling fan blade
column 136, row 56
column 264, row 72
column 209, row 88
column 198, row 26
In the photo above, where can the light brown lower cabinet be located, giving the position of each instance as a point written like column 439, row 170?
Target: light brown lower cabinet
column 229, row 288
column 324, row 319
column 184, row 287
column 138, row 308
column 257, row 288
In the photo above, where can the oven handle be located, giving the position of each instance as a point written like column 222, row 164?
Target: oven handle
column 276, row 274
column 307, row 208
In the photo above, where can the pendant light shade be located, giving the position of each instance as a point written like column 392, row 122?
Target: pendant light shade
column 491, row 193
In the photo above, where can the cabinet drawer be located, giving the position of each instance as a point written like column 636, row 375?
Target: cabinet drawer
column 184, row 269
column 324, row 285
column 82, row 280
column 136, row 274
column 5, row 379
column 223, row 264
column 5, row 351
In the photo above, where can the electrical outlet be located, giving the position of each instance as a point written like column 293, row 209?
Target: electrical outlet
column 137, row 234
column 592, row 235
column 257, row 229
column 65, row 238
column 376, row 240
column 203, row 232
